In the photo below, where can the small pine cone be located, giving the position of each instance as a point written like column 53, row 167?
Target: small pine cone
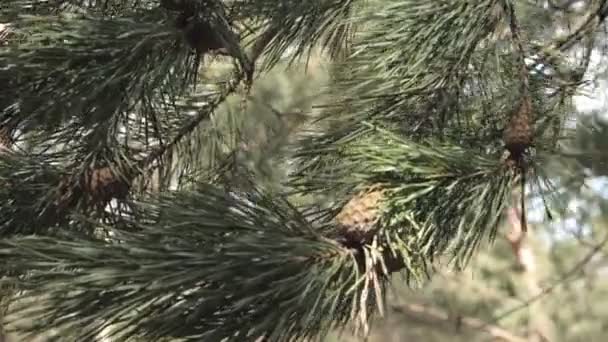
column 357, row 219
column 102, row 185
column 518, row 134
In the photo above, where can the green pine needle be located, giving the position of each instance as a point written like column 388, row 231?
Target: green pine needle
column 211, row 266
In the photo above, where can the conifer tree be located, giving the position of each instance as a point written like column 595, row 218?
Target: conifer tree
column 124, row 210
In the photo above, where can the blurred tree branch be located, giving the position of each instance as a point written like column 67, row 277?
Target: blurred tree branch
column 566, row 277
column 436, row 316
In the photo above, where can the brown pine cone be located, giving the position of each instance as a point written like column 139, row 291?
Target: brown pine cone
column 103, row 184
column 518, row 134
column 357, row 219
column 97, row 187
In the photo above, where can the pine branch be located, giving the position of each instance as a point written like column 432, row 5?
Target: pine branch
column 445, row 76
column 122, row 77
column 60, row 192
column 471, row 109
column 25, row 187
column 418, row 48
column 36, row 196
column 94, row 68
column 211, row 266
column 433, row 194
column 520, row 50
column 298, row 25
column 203, row 114
column 197, row 143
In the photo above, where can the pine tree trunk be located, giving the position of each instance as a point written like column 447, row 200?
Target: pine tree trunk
column 541, row 327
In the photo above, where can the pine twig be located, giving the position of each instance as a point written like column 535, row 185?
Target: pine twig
column 242, row 75
column 516, row 120
column 519, row 45
column 192, row 124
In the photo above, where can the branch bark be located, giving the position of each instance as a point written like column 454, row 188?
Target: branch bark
column 541, row 328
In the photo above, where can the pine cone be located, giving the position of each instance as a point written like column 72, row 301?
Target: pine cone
column 97, row 187
column 357, row 219
column 518, row 135
column 102, row 185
